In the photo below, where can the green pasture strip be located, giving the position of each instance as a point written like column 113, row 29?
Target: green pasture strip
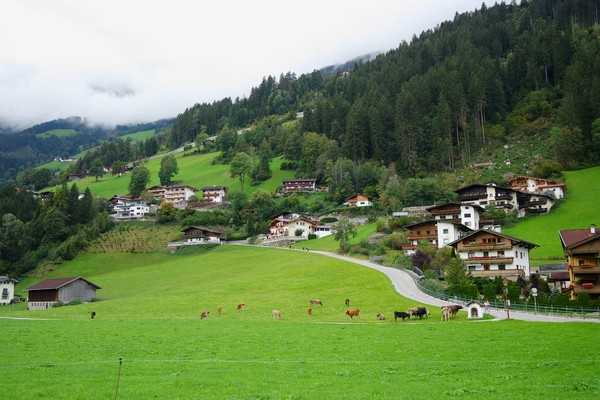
column 194, row 170
column 139, row 136
column 578, row 210
column 221, row 358
column 56, row 165
column 328, row 243
column 57, row 132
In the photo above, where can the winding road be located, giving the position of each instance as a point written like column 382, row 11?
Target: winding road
column 406, row 286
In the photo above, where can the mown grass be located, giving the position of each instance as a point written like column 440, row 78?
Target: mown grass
column 148, row 314
column 577, row 211
column 139, row 136
column 328, row 243
column 195, row 170
column 57, row 132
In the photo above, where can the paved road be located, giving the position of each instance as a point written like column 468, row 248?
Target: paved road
column 405, row 286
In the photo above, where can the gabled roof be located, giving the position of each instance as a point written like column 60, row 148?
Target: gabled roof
column 427, row 222
column 488, row 231
column 57, row 283
column 202, row 228
column 457, row 204
column 486, row 185
column 206, row 188
column 571, row 238
column 6, row 279
column 300, row 180
column 356, row 195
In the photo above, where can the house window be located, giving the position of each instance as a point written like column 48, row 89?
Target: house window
column 445, row 231
column 483, row 203
column 468, row 215
column 4, row 293
column 471, row 254
column 418, row 232
column 501, row 267
column 428, row 232
column 486, row 254
column 467, row 223
column 486, row 267
column 472, row 268
column 446, row 241
column 500, row 253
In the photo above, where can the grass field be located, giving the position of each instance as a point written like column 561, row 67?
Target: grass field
column 148, row 314
column 139, row 136
column 57, row 132
column 578, row 210
column 194, row 170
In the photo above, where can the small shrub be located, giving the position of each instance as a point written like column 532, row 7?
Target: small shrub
column 58, row 304
column 75, row 302
column 311, row 236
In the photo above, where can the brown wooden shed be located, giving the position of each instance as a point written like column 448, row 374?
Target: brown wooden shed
column 45, row 293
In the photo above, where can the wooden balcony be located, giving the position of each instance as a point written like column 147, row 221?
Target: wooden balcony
column 586, row 268
column 489, row 260
column 485, row 246
column 494, row 273
column 586, row 289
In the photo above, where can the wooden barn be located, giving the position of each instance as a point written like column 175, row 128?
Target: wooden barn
column 201, row 235
column 44, row 294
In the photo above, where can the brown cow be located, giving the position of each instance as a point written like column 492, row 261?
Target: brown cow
column 347, row 302
column 454, row 308
column 309, row 312
column 380, row 317
column 353, row 312
column 277, row 314
column 314, row 302
column 204, row 314
column 219, row 310
column 241, row 306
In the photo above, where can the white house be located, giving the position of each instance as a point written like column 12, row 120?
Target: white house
column 358, row 200
column 215, row 194
column 7, row 289
column 291, row 228
column 129, row 208
column 489, row 254
column 531, row 184
column 322, row 230
column 201, row 235
column 178, row 194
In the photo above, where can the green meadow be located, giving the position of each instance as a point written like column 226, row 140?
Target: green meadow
column 57, row 132
column 577, row 210
column 138, row 136
column 148, row 314
column 195, row 170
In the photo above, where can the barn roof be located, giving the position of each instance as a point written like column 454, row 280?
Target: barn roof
column 202, row 228
column 522, row 242
column 575, row 237
column 57, row 283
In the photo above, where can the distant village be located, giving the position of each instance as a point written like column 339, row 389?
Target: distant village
column 480, row 243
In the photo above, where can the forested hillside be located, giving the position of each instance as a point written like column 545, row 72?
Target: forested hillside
column 491, row 77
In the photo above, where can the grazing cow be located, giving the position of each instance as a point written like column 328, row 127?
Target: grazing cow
column 93, row 314
column 380, row 317
column 309, row 312
column 204, row 314
column 277, row 314
column 419, row 311
column 219, row 310
column 347, row 302
column 241, row 306
column 353, row 312
column 400, row 314
column 446, row 311
column 314, row 302
column 454, row 309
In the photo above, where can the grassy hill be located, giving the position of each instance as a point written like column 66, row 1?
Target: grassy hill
column 195, row 170
column 148, row 314
column 139, row 136
column 577, row 211
column 57, row 132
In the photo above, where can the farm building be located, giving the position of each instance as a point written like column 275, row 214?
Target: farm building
column 44, row 294
column 201, row 235
column 7, row 290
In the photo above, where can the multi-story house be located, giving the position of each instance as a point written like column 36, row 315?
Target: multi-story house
column 177, row 195
column 421, row 231
column 582, row 250
column 489, row 253
column 530, row 184
column 358, row 200
column 299, row 227
column 304, row 185
column 506, row 198
column 214, row 194
column 129, row 207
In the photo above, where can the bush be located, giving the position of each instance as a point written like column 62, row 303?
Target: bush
column 395, row 241
column 58, row 304
column 329, row 220
column 75, row 302
column 311, row 236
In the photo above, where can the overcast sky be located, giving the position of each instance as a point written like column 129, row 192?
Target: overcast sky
column 129, row 61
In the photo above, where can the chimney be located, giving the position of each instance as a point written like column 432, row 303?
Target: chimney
column 593, row 229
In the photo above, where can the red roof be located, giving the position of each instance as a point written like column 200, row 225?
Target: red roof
column 571, row 237
column 57, row 283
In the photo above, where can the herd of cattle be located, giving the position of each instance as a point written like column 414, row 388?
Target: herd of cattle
column 419, row 311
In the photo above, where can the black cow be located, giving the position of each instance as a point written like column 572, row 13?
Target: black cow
column 400, row 314
column 418, row 311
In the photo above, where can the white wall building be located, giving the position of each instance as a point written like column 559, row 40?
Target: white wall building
column 7, row 289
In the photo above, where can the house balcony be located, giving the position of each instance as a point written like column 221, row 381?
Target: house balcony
column 532, row 203
column 489, row 260
column 536, row 210
column 586, row 288
column 502, row 196
column 586, row 268
column 494, row 273
column 473, row 196
column 485, row 246
column 429, row 237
